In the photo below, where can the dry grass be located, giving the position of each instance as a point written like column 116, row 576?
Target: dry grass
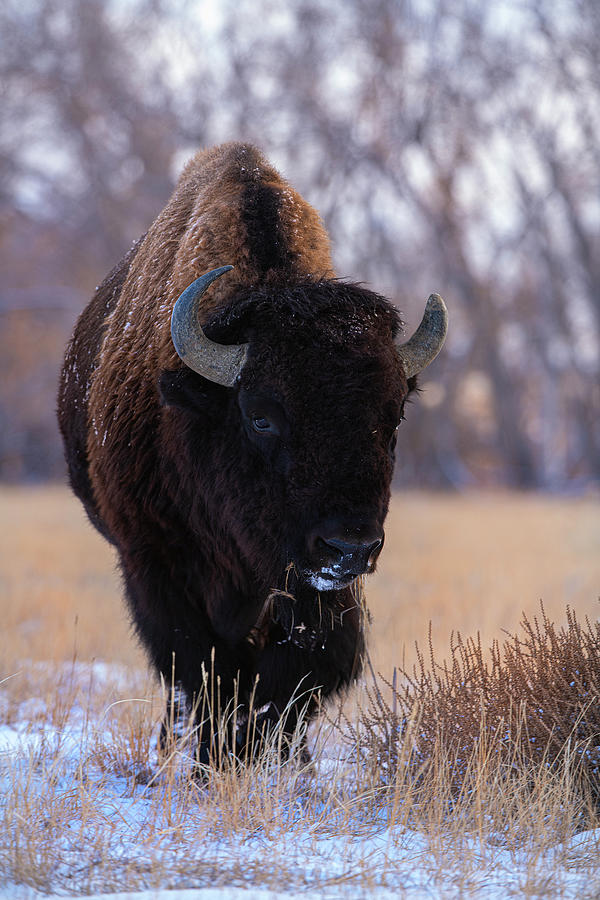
column 59, row 585
column 88, row 805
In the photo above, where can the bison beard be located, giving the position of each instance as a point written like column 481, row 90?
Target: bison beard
column 231, row 431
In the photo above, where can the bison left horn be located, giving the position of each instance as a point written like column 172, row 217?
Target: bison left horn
column 221, row 363
column 427, row 341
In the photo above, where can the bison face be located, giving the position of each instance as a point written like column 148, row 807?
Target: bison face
column 296, row 394
column 295, row 459
column 321, row 439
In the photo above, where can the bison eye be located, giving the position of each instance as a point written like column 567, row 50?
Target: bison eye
column 263, row 418
column 263, row 425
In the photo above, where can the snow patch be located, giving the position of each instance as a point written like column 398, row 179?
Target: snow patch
column 375, row 860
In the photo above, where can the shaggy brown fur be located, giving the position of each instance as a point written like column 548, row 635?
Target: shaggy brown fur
column 208, row 222
column 210, row 516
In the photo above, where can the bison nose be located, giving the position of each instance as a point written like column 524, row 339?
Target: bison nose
column 346, row 556
column 356, row 558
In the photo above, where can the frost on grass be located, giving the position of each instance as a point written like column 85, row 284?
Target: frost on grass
column 88, row 805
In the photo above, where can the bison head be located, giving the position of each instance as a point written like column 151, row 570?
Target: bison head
column 296, row 422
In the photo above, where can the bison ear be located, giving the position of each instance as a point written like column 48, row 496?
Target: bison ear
column 185, row 389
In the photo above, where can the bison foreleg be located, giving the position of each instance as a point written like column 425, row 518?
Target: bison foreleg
column 206, row 676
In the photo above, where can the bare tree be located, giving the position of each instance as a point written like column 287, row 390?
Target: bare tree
column 450, row 146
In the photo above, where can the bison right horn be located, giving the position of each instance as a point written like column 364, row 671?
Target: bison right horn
column 427, row 341
column 221, row 363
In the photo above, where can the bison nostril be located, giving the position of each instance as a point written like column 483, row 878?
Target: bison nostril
column 340, row 548
column 326, row 548
column 374, row 552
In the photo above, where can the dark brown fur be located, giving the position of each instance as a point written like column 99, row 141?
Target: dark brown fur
column 210, row 518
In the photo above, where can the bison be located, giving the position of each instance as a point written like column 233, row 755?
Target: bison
column 229, row 410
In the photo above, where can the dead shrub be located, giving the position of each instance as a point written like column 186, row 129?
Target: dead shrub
column 529, row 703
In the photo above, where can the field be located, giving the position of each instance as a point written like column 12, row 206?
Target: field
column 87, row 806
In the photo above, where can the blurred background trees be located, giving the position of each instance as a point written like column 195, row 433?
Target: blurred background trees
column 449, row 145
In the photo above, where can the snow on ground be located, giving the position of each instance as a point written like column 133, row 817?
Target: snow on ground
column 375, row 860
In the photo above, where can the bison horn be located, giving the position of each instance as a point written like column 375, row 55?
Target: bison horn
column 427, row 341
column 221, row 363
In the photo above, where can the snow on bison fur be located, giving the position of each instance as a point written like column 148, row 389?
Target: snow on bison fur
column 229, row 412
